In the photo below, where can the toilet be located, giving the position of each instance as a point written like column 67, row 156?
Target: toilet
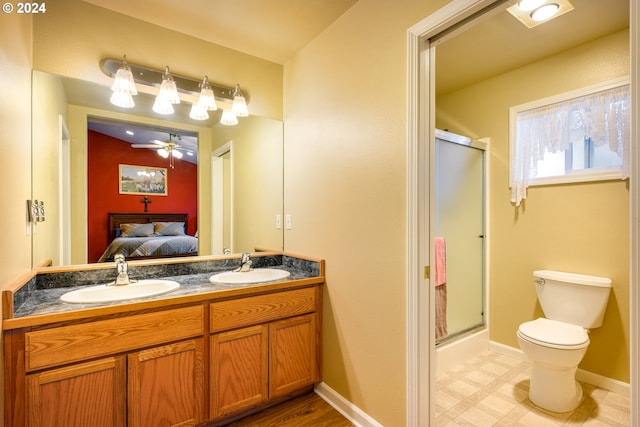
column 573, row 304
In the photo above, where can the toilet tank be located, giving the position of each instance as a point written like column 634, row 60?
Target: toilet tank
column 572, row 298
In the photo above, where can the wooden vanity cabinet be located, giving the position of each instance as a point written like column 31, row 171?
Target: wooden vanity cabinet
column 258, row 363
column 172, row 366
column 85, row 394
column 139, row 370
column 166, row 385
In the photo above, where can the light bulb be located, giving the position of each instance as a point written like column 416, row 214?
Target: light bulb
column 163, row 152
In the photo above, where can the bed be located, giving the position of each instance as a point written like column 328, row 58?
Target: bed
column 146, row 235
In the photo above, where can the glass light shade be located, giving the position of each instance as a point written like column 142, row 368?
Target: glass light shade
column 198, row 113
column 163, row 152
column 169, row 91
column 529, row 5
column 545, row 12
column 162, row 106
column 228, row 118
column 122, row 98
column 177, row 154
column 239, row 106
column 123, row 80
column 207, row 100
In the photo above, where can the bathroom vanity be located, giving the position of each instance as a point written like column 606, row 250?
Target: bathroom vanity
column 203, row 354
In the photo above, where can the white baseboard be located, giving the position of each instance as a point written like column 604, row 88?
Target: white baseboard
column 350, row 411
column 597, row 380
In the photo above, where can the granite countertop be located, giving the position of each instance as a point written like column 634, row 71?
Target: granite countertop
column 42, row 295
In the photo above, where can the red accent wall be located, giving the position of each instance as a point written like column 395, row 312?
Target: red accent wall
column 105, row 154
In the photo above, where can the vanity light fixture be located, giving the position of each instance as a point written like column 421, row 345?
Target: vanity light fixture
column 167, row 96
column 228, row 118
column 123, row 86
column 198, row 113
column 207, row 93
column 535, row 12
column 239, row 106
column 206, row 100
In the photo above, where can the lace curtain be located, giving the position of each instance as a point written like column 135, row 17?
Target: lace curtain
column 603, row 117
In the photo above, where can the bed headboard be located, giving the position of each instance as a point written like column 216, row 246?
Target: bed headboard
column 115, row 219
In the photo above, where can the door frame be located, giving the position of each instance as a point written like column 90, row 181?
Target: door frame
column 420, row 349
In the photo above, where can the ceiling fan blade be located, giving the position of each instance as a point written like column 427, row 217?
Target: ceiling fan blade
column 146, row 146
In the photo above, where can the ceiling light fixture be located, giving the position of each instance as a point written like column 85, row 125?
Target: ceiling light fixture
column 207, row 93
column 545, row 12
column 535, row 12
column 123, row 86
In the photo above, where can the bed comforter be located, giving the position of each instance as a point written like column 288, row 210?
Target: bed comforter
column 132, row 247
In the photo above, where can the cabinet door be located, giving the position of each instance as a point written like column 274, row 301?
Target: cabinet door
column 85, row 394
column 239, row 369
column 293, row 357
column 166, row 385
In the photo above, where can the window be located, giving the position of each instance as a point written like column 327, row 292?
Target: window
column 576, row 136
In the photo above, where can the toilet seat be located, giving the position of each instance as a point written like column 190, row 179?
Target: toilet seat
column 554, row 334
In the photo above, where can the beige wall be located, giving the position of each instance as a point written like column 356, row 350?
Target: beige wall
column 345, row 171
column 15, row 140
column 582, row 228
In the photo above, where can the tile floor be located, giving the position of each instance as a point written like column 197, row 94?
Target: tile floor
column 492, row 390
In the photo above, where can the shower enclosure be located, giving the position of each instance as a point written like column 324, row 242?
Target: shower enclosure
column 460, row 223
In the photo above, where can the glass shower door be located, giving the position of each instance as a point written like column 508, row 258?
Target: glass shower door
column 459, row 220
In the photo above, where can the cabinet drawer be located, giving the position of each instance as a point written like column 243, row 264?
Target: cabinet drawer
column 56, row 346
column 262, row 308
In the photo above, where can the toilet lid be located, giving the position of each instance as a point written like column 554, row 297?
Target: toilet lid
column 555, row 334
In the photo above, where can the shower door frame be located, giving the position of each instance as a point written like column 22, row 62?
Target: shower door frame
column 483, row 146
column 420, row 390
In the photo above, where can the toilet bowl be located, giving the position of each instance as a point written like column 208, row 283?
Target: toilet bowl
column 555, row 345
column 555, row 350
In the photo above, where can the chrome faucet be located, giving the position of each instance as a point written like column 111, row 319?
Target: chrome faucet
column 122, row 268
column 245, row 263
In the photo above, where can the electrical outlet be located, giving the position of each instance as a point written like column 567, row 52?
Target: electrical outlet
column 278, row 221
column 287, row 222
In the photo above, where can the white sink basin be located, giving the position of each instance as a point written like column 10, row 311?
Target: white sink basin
column 104, row 293
column 258, row 275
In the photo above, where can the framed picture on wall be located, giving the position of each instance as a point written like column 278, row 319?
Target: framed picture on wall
column 143, row 180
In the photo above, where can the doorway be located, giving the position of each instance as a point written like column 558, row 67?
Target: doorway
column 420, row 158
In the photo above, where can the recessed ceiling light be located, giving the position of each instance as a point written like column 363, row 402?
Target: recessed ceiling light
column 527, row 16
column 129, row 132
column 545, row 12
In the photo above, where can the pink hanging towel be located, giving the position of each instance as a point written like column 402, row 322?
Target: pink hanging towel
column 441, row 262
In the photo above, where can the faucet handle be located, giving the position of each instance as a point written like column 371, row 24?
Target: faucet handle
column 118, row 258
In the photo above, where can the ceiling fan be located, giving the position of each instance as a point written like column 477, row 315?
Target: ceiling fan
column 170, row 149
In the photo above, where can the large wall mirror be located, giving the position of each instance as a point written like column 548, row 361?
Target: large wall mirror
column 234, row 198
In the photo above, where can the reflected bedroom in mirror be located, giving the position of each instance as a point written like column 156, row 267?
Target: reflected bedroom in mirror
column 148, row 185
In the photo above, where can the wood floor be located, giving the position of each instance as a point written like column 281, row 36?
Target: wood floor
column 308, row 410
